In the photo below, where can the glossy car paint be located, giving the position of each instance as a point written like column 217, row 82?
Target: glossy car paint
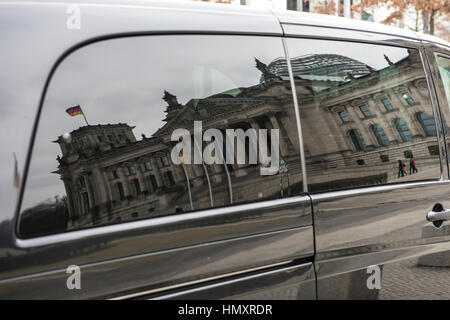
column 119, row 261
column 190, row 248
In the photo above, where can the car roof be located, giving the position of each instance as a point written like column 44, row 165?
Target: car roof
column 236, row 18
column 321, row 20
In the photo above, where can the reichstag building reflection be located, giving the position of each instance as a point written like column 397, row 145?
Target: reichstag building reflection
column 364, row 126
column 361, row 126
column 110, row 175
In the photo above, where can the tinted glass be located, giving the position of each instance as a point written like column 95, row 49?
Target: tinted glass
column 107, row 148
column 389, row 134
column 444, row 72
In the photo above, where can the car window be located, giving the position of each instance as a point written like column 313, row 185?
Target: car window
column 143, row 127
column 365, row 112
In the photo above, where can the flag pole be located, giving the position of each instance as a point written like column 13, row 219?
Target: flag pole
column 230, row 188
column 187, row 179
column 85, row 118
column 189, row 188
column 207, row 175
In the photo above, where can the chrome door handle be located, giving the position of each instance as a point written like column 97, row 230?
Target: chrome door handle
column 438, row 215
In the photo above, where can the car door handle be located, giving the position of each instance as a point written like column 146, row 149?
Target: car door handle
column 438, row 215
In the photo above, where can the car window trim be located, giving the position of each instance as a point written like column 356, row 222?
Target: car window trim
column 421, row 49
column 134, row 225
column 26, row 242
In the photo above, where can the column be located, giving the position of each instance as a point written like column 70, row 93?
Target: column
column 157, row 172
column 283, row 144
column 124, row 180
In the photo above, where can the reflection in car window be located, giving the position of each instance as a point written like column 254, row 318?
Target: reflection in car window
column 104, row 150
column 442, row 84
column 444, row 71
column 366, row 114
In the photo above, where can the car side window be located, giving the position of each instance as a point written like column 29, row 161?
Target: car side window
column 149, row 126
column 366, row 114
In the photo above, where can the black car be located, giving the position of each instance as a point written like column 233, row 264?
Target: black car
column 161, row 150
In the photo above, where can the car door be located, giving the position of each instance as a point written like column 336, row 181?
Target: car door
column 375, row 164
column 108, row 199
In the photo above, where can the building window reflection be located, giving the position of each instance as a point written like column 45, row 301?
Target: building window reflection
column 387, row 104
column 137, row 186
column 131, row 170
column 384, row 158
column 152, row 182
column 380, row 135
column 147, row 165
column 170, row 179
column 82, row 182
column 164, row 161
column 120, row 191
column 408, row 98
column 357, row 140
column 344, row 117
column 365, row 111
column 85, row 199
column 403, row 130
column 427, row 123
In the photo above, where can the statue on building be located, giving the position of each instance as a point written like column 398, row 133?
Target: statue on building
column 170, row 99
column 173, row 106
column 267, row 74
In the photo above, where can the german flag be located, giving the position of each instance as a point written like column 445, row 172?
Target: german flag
column 74, row 111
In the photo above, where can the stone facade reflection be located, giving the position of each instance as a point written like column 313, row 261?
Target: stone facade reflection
column 357, row 123
column 111, row 176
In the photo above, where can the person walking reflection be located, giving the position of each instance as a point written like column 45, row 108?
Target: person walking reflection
column 401, row 169
column 412, row 165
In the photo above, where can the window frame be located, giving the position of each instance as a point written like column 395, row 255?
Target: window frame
column 359, row 38
column 421, row 49
column 134, row 225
